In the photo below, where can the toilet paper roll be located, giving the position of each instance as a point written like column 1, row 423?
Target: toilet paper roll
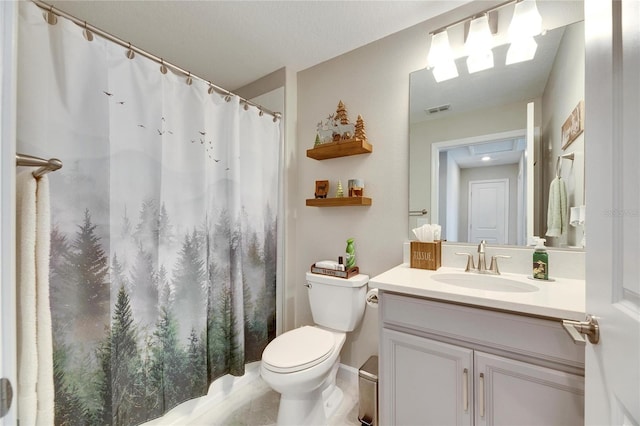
column 372, row 298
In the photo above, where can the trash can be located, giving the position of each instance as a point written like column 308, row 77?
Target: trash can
column 368, row 390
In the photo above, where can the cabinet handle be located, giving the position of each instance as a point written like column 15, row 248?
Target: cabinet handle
column 465, row 389
column 481, row 394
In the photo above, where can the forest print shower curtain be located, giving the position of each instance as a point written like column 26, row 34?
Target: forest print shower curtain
column 163, row 257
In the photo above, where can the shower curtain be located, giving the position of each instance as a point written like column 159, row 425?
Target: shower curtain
column 163, row 242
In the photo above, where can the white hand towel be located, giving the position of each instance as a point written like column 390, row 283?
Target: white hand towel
column 44, row 388
column 35, row 352
column 557, row 209
column 26, row 292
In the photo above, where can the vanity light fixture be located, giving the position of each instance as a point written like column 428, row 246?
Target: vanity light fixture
column 440, row 57
column 479, row 44
column 526, row 24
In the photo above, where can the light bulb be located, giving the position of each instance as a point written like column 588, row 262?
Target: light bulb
column 526, row 21
column 440, row 57
column 478, row 45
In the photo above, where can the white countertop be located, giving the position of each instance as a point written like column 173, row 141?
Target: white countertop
column 563, row 298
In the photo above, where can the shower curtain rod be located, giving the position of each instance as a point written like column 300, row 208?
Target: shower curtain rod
column 46, row 166
column 49, row 8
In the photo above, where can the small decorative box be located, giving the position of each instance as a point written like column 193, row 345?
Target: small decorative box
column 426, row 255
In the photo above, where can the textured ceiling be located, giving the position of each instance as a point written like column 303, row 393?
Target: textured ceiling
column 233, row 43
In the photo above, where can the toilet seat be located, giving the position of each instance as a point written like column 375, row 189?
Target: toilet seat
column 298, row 349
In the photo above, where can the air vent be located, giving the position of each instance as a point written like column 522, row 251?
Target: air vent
column 436, row 109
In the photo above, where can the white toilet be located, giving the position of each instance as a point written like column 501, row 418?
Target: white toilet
column 301, row 364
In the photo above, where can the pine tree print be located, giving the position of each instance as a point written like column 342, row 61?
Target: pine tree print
column 105, row 385
column 196, row 365
column 147, row 232
column 118, row 279
column 125, row 230
column 62, row 289
column 165, row 229
column 145, row 293
column 166, row 296
column 69, row 409
column 89, row 270
column 221, row 336
column 125, row 363
column 167, row 372
column 188, row 281
column 270, row 265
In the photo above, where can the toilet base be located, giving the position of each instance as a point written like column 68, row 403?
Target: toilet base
column 311, row 408
column 332, row 397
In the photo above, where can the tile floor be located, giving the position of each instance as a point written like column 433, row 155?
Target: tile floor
column 257, row 405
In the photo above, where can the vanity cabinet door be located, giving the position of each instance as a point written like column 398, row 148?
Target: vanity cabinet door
column 510, row 392
column 424, row 382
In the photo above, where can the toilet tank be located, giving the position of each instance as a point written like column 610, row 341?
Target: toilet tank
column 337, row 303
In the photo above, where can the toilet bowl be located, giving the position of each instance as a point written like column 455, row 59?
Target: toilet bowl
column 302, row 364
column 302, row 367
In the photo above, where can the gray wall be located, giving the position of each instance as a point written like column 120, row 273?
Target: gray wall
column 372, row 81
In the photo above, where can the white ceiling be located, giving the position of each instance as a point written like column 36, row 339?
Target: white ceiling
column 233, row 43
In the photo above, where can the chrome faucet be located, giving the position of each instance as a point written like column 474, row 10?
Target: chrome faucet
column 482, row 264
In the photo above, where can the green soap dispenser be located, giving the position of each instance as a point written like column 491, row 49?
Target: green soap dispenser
column 351, row 254
column 541, row 261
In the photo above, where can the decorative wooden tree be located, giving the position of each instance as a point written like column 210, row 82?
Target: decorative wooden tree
column 341, row 114
column 360, row 133
column 317, row 142
column 339, row 190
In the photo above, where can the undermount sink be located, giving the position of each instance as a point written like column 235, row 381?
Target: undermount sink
column 484, row 282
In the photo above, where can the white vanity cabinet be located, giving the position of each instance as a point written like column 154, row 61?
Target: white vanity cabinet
column 452, row 364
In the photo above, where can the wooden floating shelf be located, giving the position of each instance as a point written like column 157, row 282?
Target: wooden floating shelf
column 338, row 202
column 340, row 149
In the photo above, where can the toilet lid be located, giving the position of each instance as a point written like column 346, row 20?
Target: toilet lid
column 298, row 349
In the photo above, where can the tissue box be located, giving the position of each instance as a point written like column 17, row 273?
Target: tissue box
column 426, row 255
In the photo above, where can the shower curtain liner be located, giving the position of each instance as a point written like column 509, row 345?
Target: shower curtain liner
column 163, row 241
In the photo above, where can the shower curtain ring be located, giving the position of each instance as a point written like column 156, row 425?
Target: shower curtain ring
column 87, row 32
column 163, row 68
column 261, row 113
column 189, row 79
column 130, row 53
column 210, row 91
column 50, row 17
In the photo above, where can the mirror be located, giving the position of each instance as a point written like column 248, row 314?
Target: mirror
column 513, row 116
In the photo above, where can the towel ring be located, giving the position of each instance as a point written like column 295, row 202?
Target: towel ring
column 569, row 156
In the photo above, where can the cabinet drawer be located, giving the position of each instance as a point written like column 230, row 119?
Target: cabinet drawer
column 538, row 338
